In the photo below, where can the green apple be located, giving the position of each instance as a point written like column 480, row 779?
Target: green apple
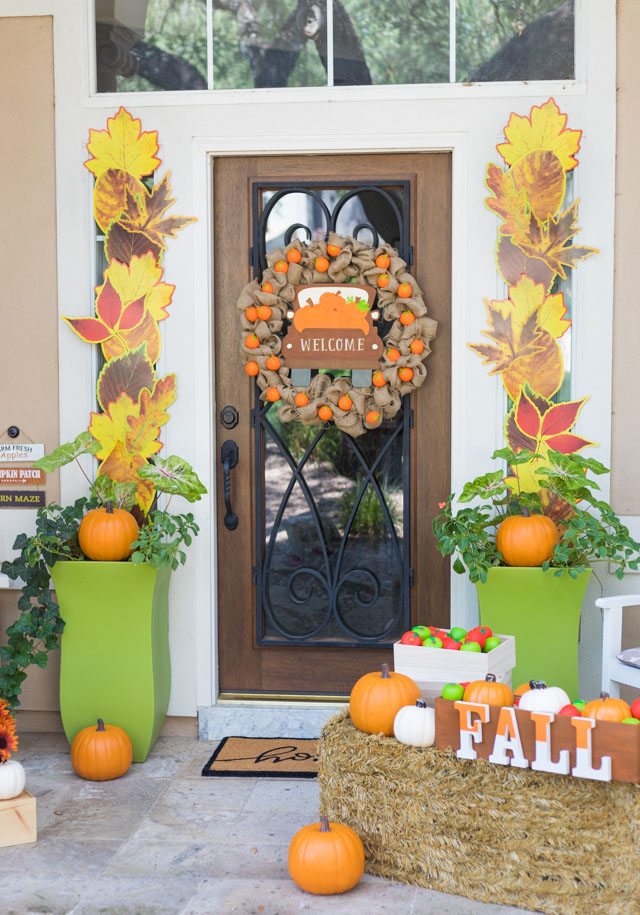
column 432, row 642
column 458, row 633
column 624, row 720
column 492, row 642
column 452, row 691
column 423, row 631
column 470, row 646
column 579, row 704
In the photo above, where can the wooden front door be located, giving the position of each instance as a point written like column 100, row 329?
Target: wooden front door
column 282, row 629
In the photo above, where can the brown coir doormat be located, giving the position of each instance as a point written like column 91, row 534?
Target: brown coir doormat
column 273, row 757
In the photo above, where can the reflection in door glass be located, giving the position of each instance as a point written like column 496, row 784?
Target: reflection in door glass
column 333, row 533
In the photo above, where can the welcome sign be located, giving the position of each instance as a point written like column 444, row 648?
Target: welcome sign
column 332, row 327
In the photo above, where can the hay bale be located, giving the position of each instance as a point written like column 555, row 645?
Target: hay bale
column 512, row 836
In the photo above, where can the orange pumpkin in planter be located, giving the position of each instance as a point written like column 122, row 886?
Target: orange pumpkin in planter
column 106, row 534
column 489, row 692
column 377, row 698
column 326, row 858
column 526, row 540
column 606, row 709
column 101, row 753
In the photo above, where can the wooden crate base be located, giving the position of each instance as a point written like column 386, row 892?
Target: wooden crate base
column 18, row 820
column 552, row 843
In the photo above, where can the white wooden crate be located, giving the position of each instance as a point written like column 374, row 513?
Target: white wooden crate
column 431, row 668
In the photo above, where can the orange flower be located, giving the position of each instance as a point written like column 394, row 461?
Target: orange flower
column 8, row 739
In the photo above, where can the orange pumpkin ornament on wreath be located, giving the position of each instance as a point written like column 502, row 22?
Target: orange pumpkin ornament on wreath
column 342, row 261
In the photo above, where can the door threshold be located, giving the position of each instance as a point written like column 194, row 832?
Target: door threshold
column 280, row 698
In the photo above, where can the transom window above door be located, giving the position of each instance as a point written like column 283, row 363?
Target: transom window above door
column 170, row 45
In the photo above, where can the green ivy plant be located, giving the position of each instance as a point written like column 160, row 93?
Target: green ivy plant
column 161, row 537
column 590, row 531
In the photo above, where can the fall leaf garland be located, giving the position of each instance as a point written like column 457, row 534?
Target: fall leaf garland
column 534, row 247
column 131, row 301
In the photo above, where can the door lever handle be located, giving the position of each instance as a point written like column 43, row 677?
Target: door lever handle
column 229, row 457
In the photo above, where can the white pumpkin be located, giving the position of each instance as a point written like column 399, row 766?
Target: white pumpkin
column 415, row 725
column 543, row 698
column 12, row 779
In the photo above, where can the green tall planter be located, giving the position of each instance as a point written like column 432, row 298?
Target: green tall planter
column 543, row 612
column 114, row 660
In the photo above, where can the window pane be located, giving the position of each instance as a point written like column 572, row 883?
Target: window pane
column 145, row 47
column 267, row 44
column 381, row 42
column 499, row 40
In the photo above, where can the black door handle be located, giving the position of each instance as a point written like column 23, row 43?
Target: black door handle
column 229, row 457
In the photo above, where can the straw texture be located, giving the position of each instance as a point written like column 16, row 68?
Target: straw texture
column 553, row 843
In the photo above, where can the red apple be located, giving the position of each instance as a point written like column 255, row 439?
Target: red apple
column 570, row 711
column 635, row 708
column 411, row 638
column 451, row 643
column 477, row 637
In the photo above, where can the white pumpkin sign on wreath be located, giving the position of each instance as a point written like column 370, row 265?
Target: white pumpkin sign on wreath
column 316, row 304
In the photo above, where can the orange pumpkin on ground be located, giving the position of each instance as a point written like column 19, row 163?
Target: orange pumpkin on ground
column 326, row 858
column 489, row 692
column 106, row 534
column 526, row 540
column 606, row 708
column 101, row 753
column 377, row 698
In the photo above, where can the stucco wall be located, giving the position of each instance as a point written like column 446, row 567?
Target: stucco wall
column 29, row 336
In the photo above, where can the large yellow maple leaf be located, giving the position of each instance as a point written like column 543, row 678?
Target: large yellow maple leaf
column 123, row 145
column 527, row 298
column 134, row 280
column 122, row 467
column 545, row 128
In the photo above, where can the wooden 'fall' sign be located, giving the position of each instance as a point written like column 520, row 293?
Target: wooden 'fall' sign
column 582, row 747
column 332, row 328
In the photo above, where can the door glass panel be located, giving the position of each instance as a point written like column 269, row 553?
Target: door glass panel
column 332, row 512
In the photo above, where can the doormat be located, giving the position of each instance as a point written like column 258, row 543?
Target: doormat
column 270, row 757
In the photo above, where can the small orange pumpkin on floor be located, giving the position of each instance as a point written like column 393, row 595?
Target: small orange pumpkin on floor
column 106, row 534
column 377, row 697
column 326, row 858
column 101, row 753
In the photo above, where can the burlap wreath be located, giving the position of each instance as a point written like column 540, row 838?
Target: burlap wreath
column 354, row 261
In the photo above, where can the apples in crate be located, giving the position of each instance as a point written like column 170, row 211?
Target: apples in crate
column 463, row 655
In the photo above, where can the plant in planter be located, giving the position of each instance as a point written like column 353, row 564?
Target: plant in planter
column 540, row 599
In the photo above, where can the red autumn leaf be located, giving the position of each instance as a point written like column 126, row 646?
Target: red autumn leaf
column 90, row 329
column 109, row 306
column 567, row 443
column 132, row 315
column 527, row 416
column 561, row 417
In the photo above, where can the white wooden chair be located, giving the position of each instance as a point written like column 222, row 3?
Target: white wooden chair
column 614, row 672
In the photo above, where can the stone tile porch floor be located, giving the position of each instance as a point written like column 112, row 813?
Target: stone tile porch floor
column 162, row 839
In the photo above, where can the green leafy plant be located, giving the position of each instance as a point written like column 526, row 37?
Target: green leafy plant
column 160, row 540
column 370, row 519
column 589, row 530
